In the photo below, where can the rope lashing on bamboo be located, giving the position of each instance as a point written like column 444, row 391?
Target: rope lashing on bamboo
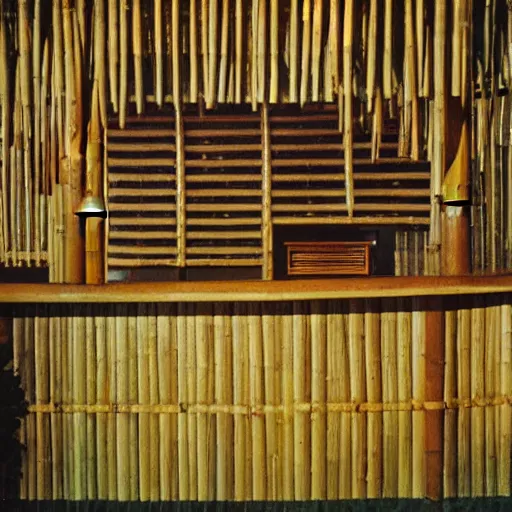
column 258, row 409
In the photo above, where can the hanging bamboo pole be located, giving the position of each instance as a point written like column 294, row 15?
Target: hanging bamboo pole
column 204, row 50
column 159, row 62
column 387, row 62
column 334, row 38
column 123, row 62
column 372, row 54
column 294, row 50
column 223, row 68
column 306, row 49
column 113, row 52
column 193, row 50
column 316, row 49
column 212, row 53
column 274, row 51
column 137, row 55
column 420, row 45
column 6, row 124
column 46, row 186
column 36, row 90
column 348, row 28
column 238, row 50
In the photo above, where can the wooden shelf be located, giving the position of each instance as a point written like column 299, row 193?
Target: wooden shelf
column 229, row 291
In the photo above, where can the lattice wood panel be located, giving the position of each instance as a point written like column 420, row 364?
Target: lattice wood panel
column 223, row 190
column 142, row 193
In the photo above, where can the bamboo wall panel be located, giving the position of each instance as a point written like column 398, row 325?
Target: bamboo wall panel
column 296, row 400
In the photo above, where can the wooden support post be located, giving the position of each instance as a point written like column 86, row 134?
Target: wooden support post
column 266, row 182
column 455, row 244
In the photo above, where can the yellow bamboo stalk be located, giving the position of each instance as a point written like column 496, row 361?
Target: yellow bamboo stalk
column 212, row 53
column 193, row 50
column 176, row 78
column 274, row 51
column 36, row 89
column 404, row 334
column 137, row 55
column 318, row 399
column 223, row 68
column 114, row 459
column 90, row 362
column 133, row 399
column 294, row 50
column 193, row 398
column 387, row 62
column 490, row 391
column 411, row 95
column 374, row 395
column 464, row 390
column 356, row 347
column 159, row 51
column 113, row 52
column 154, row 449
column 389, row 394
column 204, row 50
column 306, row 48
column 123, row 62
column 100, row 58
column 6, row 124
column 456, row 49
column 238, row 50
column 348, row 29
column 302, row 433
column 262, row 51
column 183, row 397
column 372, row 54
column 420, row 38
column 316, row 49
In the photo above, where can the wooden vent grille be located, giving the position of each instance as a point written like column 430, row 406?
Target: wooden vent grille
column 328, row 258
column 142, row 193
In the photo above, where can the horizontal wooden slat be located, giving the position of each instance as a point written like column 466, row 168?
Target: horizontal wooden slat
column 117, row 177
column 141, row 207
column 140, row 147
column 219, row 192
column 223, row 235
column 223, row 250
column 141, row 162
column 141, row 235
column 308, row 207
column 331, row 162
column 333, row 146
column 304, row 132
column 216, row 164
column 221, row 148
column 141, row 262
column 136, row 249
column 374, row 220
column 200, row 178
column 223, row 262
column 358, row 176
column 142, row 192
column 359, row 207
column 224, row 221
column 223, row 132
column 142, row 221
column 140, row 133
column 223, row 207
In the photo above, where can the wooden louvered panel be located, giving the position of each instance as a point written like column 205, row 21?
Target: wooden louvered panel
column 224, row 194
column 328, row 258
column 142, row 193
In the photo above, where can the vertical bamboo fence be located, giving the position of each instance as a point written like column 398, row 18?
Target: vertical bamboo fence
column 374, row 60
column 302, row 400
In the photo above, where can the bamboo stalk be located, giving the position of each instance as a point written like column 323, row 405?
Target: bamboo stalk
column 490, row 416
column 159, row 51
column 204, row 50
column 302, row 434
column 133, row 399
column 238, row 50
column 306, row 48
column 356, row 342
column 212, row 53
column 316, row 49
column 100, row 58
column 420, row 32
column 374, row 395
column 154, row 449
column 137, row 56
column 36, row 77
column 387, row 62
column 404, row 333
column 318, row 399
column 410, row 81
column 456, row 48
column 348, row 27
column 113, row 52
column 262, row 51
column 183, row 397
column 123, row 62
column 90, row 356
column 294, row 50
column 274, row 51
column 176, row 77
column 30, row 396
column 7, row 235
column 143, row 378
column 334, row 37
column 266, row 234
column 223, row 69
column 193, row 51
column 193, row 398
column 463, row 389
column 372, row 54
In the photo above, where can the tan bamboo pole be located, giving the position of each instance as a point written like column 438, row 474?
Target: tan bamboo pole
column 271, row 385
column 120, row 343
column 456, row 47
column 490, row 413
column 176, row 52
column 411, row 94
column 318, row 399
column 204, row 49
column 262, row 51
column 259, row 474
column 193, row 398
column 36, row 90
column 356, row 342
column 133, row 399
column 316, row 49
column 123, row 62
column 137, row 55
column 374, row 395
column 287, row 400
column 154, row 437
column 100, row 58
column 66, row 400
column 274, row 51
column 180, row 189
column 143, row 378
column 90, row 363
column 404, row 352
column 182, row 366
column 306, row 50
column 239, row 16
column 18, row 356
column 6, row 125
column 266, row 219
column 420, row 43
column 503, row 488
column 294, row 51
column 334, row 42
column 240, row 398
column 193, row 50
column 212, row 53
column 45, row 148
column 114, row 460
column 113, row 52
column 159, row 51
column 42, row 367
column 389, row 394
column 450, row 394
column 387, row 62
column 302, row 433
column 223, row 67
column 16, row 171
column 419, row 340
column 348, row 30
column 372, row 54
column 377, row 125
column 223, row 396
column 328, row 91
column 496, row 313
